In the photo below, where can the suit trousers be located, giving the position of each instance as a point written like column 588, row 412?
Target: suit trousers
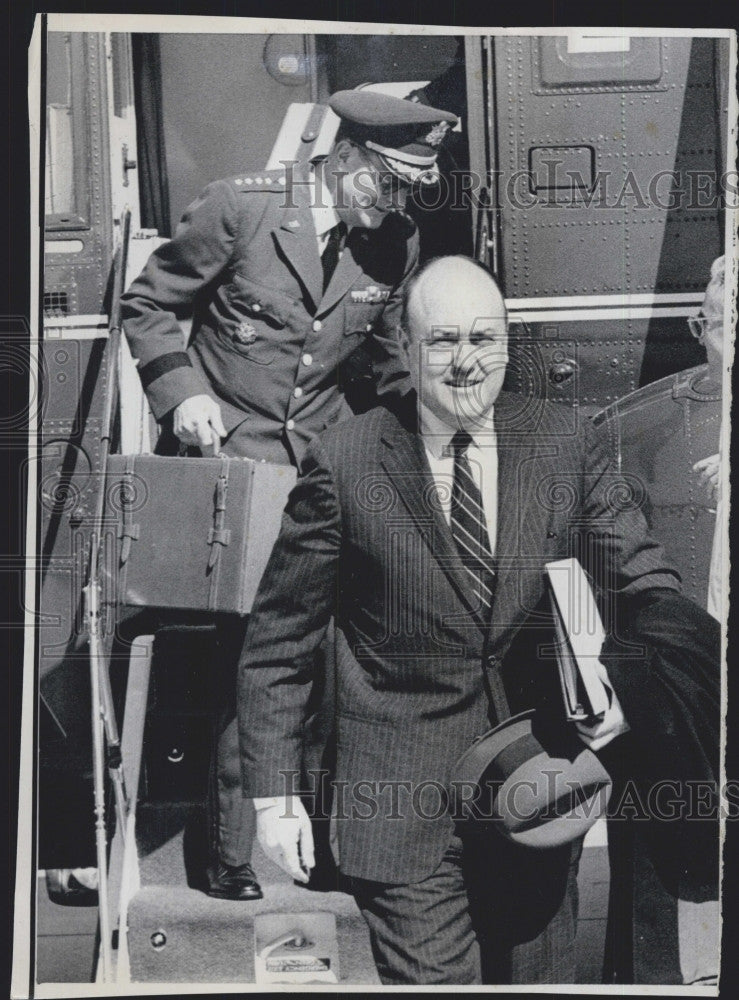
column 491, row 913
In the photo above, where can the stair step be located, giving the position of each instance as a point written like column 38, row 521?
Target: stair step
column 173, row 848
column 180, row 935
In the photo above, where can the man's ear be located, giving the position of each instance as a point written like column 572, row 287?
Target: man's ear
column 343, row 150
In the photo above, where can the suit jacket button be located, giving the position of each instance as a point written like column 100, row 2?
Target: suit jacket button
column 317, row 325
column 290, row 425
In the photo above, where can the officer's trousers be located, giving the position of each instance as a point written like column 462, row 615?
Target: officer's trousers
column 231, row 817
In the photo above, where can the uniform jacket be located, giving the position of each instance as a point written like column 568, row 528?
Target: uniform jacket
column 266, row 343
column 362, row 540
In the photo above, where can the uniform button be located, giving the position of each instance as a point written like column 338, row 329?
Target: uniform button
column 256, row 307
column 297, row 392
column 317, row 325
column 290, row 425
column 307, row 360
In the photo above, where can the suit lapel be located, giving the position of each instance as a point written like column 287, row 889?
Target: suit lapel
column 519, row 510
column 406, row 465
column 296, row 236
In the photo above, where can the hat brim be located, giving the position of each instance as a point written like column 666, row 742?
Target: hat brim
column 409, row 173
column 537, row 796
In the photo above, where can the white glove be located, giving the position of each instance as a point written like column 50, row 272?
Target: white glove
column 285, row 834
column 197, row 421
column 613, row 723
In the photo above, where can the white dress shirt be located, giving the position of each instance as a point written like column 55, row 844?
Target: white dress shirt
column 483, row 458
column 323, row 211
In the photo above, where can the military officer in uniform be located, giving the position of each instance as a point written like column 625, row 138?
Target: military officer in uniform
column 286, row 274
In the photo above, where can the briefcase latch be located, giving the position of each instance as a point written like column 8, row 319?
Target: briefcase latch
column 127, row 498
column 218, row 536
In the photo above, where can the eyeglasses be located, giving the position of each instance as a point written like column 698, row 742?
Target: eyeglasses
column 697, row 326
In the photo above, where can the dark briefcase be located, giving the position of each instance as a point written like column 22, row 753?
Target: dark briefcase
column 193, row 533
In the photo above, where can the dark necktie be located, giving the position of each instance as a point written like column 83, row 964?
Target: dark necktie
column 469, row 528
column 330, row 255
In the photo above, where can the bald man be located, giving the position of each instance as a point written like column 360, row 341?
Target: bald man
column 425, row 533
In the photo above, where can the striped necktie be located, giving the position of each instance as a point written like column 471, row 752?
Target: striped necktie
column 469, row 528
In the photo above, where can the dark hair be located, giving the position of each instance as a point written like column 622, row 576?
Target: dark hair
column 343, row 132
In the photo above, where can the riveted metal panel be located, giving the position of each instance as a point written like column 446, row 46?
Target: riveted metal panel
column 636, row 131
column 643, row 217
column 594, row 362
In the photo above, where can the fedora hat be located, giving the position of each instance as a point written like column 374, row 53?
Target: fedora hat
column 535, row 783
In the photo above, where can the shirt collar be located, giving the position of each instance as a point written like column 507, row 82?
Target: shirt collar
column 322, row 206
column 437, row 434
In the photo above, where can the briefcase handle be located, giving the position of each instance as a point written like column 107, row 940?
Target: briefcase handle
column 183, row 449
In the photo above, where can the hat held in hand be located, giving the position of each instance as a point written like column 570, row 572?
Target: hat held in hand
column 538, row 786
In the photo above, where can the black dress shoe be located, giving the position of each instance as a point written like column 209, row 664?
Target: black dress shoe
column 227, row 882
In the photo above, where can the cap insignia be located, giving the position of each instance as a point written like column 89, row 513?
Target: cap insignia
column 437, row 133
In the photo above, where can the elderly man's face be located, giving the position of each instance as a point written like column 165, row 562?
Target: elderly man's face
column 458, row 355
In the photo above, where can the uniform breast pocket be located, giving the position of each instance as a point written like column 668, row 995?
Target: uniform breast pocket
column 255, row 316
column 361, row 318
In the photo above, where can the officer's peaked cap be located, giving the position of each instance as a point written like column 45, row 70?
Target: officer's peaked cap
column 405, row 134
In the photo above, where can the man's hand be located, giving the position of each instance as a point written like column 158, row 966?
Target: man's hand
column 708, row 470
column 613, row 723
column 197, row 420
column 285, row 834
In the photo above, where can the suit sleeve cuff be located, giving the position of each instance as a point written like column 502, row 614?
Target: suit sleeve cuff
column 171, row 387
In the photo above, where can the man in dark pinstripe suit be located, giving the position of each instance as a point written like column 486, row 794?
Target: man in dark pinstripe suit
column 424, row 534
